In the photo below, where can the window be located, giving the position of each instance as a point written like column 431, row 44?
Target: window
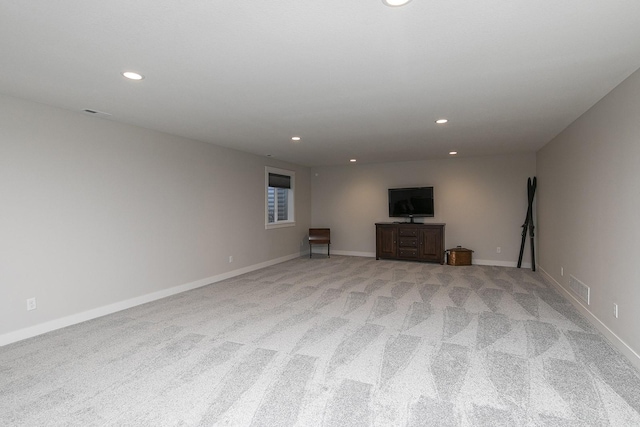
column 279, row 203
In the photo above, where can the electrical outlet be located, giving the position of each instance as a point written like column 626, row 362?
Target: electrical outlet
column 498, row 249
column 31, row 304
column 230, row 258
column 615, row 310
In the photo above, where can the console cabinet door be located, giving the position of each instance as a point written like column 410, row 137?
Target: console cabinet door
column 386, row 241
column 430, row 245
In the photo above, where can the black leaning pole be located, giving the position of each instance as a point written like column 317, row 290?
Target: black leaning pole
column 528, row 223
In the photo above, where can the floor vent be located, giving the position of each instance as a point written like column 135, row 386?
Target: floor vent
column 580, row 289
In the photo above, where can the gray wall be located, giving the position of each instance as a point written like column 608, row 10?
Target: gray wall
column 96, row 213
column 588, row 209
column 483, row 201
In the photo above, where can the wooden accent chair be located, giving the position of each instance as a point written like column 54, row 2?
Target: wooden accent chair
column 320, row 236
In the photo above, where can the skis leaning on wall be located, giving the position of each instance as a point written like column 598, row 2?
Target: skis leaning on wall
column 528, row 223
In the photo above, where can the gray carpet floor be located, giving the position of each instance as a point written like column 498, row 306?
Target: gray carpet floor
column 345, row 341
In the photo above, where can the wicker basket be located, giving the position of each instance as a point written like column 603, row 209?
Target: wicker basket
column 459, row 256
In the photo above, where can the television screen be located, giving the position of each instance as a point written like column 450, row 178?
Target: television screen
column 411, row 202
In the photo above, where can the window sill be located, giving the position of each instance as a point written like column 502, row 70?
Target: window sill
column 282, row 224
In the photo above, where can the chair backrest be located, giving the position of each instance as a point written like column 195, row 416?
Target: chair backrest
column 320, row 235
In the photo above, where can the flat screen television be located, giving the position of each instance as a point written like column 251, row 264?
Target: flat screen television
column 411, row 202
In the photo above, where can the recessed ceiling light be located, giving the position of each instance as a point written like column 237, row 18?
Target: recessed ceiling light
column 395, row 3
column 133, row 76
column 453, row 153
column 441, row 121
column 353, row 160
column 295, row 138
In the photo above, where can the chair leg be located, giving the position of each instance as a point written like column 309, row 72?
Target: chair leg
column 310, row 251
column 328, row 250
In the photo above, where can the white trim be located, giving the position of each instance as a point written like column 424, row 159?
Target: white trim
column 73, row 319
column 350, row 253
column 614, row 339
column 500, row 263
column 291, row 203
column 280, row 224
column 320, row 250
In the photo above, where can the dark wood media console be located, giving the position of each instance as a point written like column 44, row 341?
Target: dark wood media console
column 410, row 242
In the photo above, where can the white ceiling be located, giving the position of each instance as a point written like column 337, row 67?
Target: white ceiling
column 353, row 78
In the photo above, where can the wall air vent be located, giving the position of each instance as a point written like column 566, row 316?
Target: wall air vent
column 96, row 113
column 580, row 289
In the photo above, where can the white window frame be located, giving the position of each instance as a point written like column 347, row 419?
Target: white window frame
column 290, row 222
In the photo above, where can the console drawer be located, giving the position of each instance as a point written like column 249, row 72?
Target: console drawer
column 407, row 253
column 408, row 242
column 408, row 231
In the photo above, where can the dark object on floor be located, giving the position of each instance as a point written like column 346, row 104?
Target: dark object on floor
column 459, row 256
column 528, row 223
column 319, row 236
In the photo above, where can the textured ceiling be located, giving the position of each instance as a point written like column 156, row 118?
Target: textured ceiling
column 352, row 78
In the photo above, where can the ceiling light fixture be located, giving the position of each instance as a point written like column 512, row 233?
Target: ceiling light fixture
column 395, row 3
column 453, row 153
column 295, row 138
column 441, row 121
column 353, row 160
column 132, row 75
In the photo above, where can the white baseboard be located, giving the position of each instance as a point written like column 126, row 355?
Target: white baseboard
column 614, row 339
column 500, row 263
column 355, row 253
column 475, row 261
column 73, row 319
